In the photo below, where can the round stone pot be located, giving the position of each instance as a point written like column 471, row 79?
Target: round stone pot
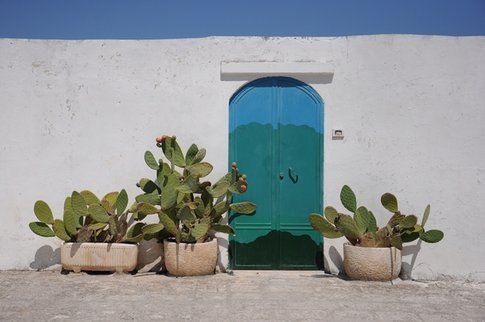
column 190, row 259
column 372, row 263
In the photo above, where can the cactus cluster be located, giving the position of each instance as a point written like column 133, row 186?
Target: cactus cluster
column 361, row 228
column 189, row 208
column 86, row 218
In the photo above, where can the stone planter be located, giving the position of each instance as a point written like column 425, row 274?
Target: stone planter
column 372, row 264
column 113, row 257
column 190, row 259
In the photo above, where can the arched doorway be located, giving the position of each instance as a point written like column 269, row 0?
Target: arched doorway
column 275, row 135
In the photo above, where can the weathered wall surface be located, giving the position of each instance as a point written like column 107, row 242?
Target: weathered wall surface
column 80, row 114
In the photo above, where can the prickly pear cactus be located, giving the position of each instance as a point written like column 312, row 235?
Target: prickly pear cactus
column 361, row 228
column 189, row 207
column 86, row 218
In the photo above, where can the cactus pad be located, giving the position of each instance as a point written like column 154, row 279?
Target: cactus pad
column 70, row 222
column 60, row 230
column 389, row 201
column 408, row 222
column 432, row 236
column 347, row 197
column 325, row 228
column 98, row 214
column 121, row 202
column 191, row 153
column 331, row 214
column 89, row 197
column 169, row 193
column 243, row 207
column 348, row 227
column 41, row 229
column 200, row 230
column 226, row 229
column 199, row 156
column 151, row 161
column 152, row 228
column 200, row 170
column 43, row 212
column 425, row 215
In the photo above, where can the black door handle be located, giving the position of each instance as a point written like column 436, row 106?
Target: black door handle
column 292, row 175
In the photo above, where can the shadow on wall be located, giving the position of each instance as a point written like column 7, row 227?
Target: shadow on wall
column 326, row 78
column 222, row 243
column 46, row 257
column 296, row 251
column 336, row 259
column 407, row 268
column 150, row 256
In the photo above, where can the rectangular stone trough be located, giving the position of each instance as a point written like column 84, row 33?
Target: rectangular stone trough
column 114, row 257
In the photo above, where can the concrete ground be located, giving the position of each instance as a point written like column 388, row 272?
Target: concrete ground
column 242, row 296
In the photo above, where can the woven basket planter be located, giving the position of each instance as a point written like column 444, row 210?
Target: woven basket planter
column 190, row 259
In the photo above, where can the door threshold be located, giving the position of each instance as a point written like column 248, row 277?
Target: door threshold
column 277, row 273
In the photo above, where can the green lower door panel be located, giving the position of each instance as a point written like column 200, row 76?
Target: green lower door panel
column 250, row 253
column 299, row 250
column 276, row 138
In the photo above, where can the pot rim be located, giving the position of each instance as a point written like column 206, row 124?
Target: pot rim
column 91, row 243
column 168, row 241
column 361, row 247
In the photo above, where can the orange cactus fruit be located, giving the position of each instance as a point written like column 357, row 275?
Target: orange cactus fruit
column 160, row 138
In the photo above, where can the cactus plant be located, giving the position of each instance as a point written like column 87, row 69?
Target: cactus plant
column 361, row 228
column 190, row 209
column 89, row 219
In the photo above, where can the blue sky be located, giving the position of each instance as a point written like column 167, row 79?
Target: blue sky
column 85, row 19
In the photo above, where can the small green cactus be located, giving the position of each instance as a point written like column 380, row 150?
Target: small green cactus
column 86, row 218
column 362, row 230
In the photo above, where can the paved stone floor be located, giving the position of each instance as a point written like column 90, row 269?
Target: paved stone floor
column 242, row 296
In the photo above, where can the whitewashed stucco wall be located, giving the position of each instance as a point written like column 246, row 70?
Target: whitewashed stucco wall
column 80, row 114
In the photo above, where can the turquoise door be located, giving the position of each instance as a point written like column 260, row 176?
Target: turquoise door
column 276, row 127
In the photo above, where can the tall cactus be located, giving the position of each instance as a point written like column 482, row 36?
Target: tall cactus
column 190, row 209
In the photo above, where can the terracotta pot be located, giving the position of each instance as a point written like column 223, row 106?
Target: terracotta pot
column 372, row 263
column 109, row 257
column 190, row 259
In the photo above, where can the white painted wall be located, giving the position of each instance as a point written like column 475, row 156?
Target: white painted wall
column 80, row 114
